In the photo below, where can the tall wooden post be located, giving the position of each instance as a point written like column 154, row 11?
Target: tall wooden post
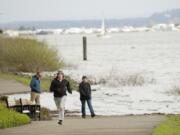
column 84, row 48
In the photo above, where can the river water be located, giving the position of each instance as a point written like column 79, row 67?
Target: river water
column 136, row 73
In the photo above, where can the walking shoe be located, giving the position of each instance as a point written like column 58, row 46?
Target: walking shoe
column 83, row 116
column 93, row 115
column 60, row 122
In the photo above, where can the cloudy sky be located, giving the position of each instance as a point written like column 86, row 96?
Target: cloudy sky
column 30, row 10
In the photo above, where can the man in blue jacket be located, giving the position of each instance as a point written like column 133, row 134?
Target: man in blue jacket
column 35, row 88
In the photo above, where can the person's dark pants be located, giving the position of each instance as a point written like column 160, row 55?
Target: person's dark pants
column 83, row 107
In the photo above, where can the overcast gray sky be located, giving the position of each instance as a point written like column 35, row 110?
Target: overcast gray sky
column 26, row 10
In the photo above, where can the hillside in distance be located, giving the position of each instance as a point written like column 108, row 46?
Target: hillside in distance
column 170, row 16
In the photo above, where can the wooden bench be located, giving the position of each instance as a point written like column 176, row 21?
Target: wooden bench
column 34, row 109
column 13, row 104
column 25, row 107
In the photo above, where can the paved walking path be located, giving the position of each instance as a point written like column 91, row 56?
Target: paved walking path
column 12, row 87
column 126, row 125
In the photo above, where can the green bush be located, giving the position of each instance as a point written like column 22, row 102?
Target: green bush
column 3, row 100
column 1, row 31
column 73, row 83
column 27, row 55
column 10, row 118
column 171, row 126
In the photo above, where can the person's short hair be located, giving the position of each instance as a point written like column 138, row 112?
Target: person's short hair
column 38, row 74
column 60, row 72
column 84, row 77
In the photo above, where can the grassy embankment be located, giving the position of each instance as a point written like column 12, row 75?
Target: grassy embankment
column 171, row 126
column 28, row 55
column 10, row 118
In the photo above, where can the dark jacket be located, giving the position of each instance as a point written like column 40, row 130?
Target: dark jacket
column 85, row 91
column 59, row 88
column 35, row 84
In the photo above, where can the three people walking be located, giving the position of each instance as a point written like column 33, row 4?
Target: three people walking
column 59, row 86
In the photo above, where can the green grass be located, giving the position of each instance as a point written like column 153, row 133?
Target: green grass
column 45, row 82
column 27, row 55
column 10, row 118
column 171, row 126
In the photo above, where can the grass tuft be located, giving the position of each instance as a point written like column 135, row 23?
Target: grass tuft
column 171, row 126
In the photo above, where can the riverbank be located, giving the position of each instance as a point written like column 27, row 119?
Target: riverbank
column 125, row 125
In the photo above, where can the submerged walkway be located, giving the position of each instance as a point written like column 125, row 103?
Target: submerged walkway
column 126, row 125
column 12, row 87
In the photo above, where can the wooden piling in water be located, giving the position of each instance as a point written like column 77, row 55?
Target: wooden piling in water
column 84, row 48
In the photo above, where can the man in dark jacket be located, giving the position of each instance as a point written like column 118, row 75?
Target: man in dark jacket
column 35, row 88
column 85, row 96
column 59, row 86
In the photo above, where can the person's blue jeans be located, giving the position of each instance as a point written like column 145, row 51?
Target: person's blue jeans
column 83, row 107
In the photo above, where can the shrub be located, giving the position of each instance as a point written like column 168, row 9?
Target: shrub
column 10, row 118
column 1, row 31
column 132, row 80
column 27, row 55
column 3, row 100
column 175, row 90
column 123, row 80
column 73, row 83
column 45, row 114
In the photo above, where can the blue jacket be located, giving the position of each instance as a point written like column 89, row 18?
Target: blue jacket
column 35, row 84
